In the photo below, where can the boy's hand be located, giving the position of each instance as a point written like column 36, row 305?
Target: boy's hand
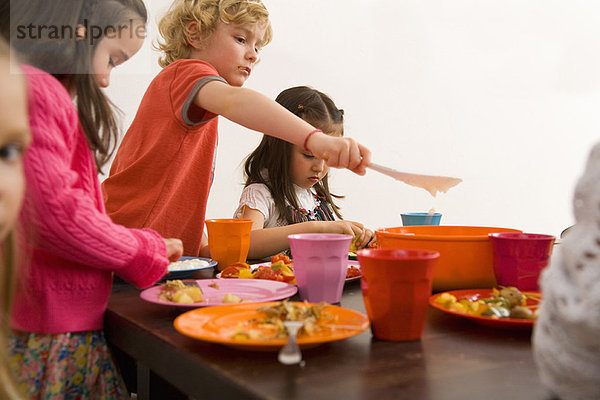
column 340, row 152
column 174, row 249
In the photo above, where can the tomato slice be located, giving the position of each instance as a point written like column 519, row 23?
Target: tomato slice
column 265, row 273
column 240, row 265
column 353, row 272
column 230, row 272
column 280, row 257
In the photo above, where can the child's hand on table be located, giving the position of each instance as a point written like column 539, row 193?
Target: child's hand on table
column 361, row 235
column 366, row 239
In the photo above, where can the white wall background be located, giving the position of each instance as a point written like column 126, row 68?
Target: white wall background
column 504, row 94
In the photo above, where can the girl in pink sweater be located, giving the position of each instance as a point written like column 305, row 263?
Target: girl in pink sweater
column 71, row 247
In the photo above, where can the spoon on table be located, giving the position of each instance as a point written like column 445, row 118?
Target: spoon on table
column 431, row 183
column 290, row 353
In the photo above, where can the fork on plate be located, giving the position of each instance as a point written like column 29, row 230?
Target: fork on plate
column 290, row 353
column 192, row 284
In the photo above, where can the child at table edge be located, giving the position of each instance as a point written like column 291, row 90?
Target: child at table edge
column 287, row 188
column 69, row 248
column 566, row 335
column 15, row 137
column 164, row 167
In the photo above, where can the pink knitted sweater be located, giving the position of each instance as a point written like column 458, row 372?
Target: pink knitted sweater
column 70, row 246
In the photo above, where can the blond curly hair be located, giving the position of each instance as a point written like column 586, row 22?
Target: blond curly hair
column 174, row 26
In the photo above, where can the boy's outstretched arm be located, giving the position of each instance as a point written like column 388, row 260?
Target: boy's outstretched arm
column 258, row 112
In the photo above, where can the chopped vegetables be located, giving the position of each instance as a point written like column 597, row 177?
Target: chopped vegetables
column 507, row 302
column 231, row 298
column 234, row 270
column 271, row 326
column 281, row 257
column 281, row 269
column 178, row 292
column 353, row 272
column 353, row 247
column 189, row 292
column 277, row 271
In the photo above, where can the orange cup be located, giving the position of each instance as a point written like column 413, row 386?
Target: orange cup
column 396, row 286
column 228, row 240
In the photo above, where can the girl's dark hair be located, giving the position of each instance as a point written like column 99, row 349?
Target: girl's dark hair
column 44, row 33
column 273, row 155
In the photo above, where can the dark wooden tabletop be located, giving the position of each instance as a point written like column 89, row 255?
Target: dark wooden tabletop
column 455, row 359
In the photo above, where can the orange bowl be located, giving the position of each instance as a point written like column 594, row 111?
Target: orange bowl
column 466, row 254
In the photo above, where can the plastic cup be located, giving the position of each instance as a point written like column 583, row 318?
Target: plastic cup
column 519, row 258
column 420, row 218
column 228, row 240
column 396, row 286
column 320, row 265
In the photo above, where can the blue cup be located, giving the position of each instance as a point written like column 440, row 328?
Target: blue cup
column 420, row 218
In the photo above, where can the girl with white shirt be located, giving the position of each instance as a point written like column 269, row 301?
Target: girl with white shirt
column 287, row 188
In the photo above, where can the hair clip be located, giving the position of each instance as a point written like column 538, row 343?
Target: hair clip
column 300, row 106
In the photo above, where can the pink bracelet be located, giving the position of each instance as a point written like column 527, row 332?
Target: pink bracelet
column 308, row 137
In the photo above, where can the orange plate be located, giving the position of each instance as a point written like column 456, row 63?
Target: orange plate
column 488, row 321
column 217, row 324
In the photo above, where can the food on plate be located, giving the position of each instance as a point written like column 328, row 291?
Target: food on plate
column 281, row 269
column 269, row 327
column 506, row 302
column 178, row 292
column 278, row 271
column 231, row 298
column 192, row 263
column 237, row 270
column 353, row 272
column 353, row 247
column 281, row 257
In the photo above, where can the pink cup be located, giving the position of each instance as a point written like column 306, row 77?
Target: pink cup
column 519, row 258
column 320, row 265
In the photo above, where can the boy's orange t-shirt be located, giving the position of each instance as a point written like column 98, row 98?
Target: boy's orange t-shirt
column 163, row 169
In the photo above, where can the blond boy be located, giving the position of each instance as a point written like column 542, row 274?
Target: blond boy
column 163, row 170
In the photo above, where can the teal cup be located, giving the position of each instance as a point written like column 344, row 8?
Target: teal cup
column 420, row 218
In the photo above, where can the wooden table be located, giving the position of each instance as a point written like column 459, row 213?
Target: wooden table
column 455, row 359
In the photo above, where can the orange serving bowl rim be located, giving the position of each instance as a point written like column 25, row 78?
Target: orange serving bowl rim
column 442, row 232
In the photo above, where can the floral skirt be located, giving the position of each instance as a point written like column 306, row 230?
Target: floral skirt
column 73, row 365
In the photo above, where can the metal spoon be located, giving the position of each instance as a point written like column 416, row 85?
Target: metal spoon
column 290, row 353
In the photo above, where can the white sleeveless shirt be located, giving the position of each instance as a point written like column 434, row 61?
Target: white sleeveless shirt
column 258, row 197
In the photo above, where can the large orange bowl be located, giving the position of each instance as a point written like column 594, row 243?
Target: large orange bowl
column 466, row 254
